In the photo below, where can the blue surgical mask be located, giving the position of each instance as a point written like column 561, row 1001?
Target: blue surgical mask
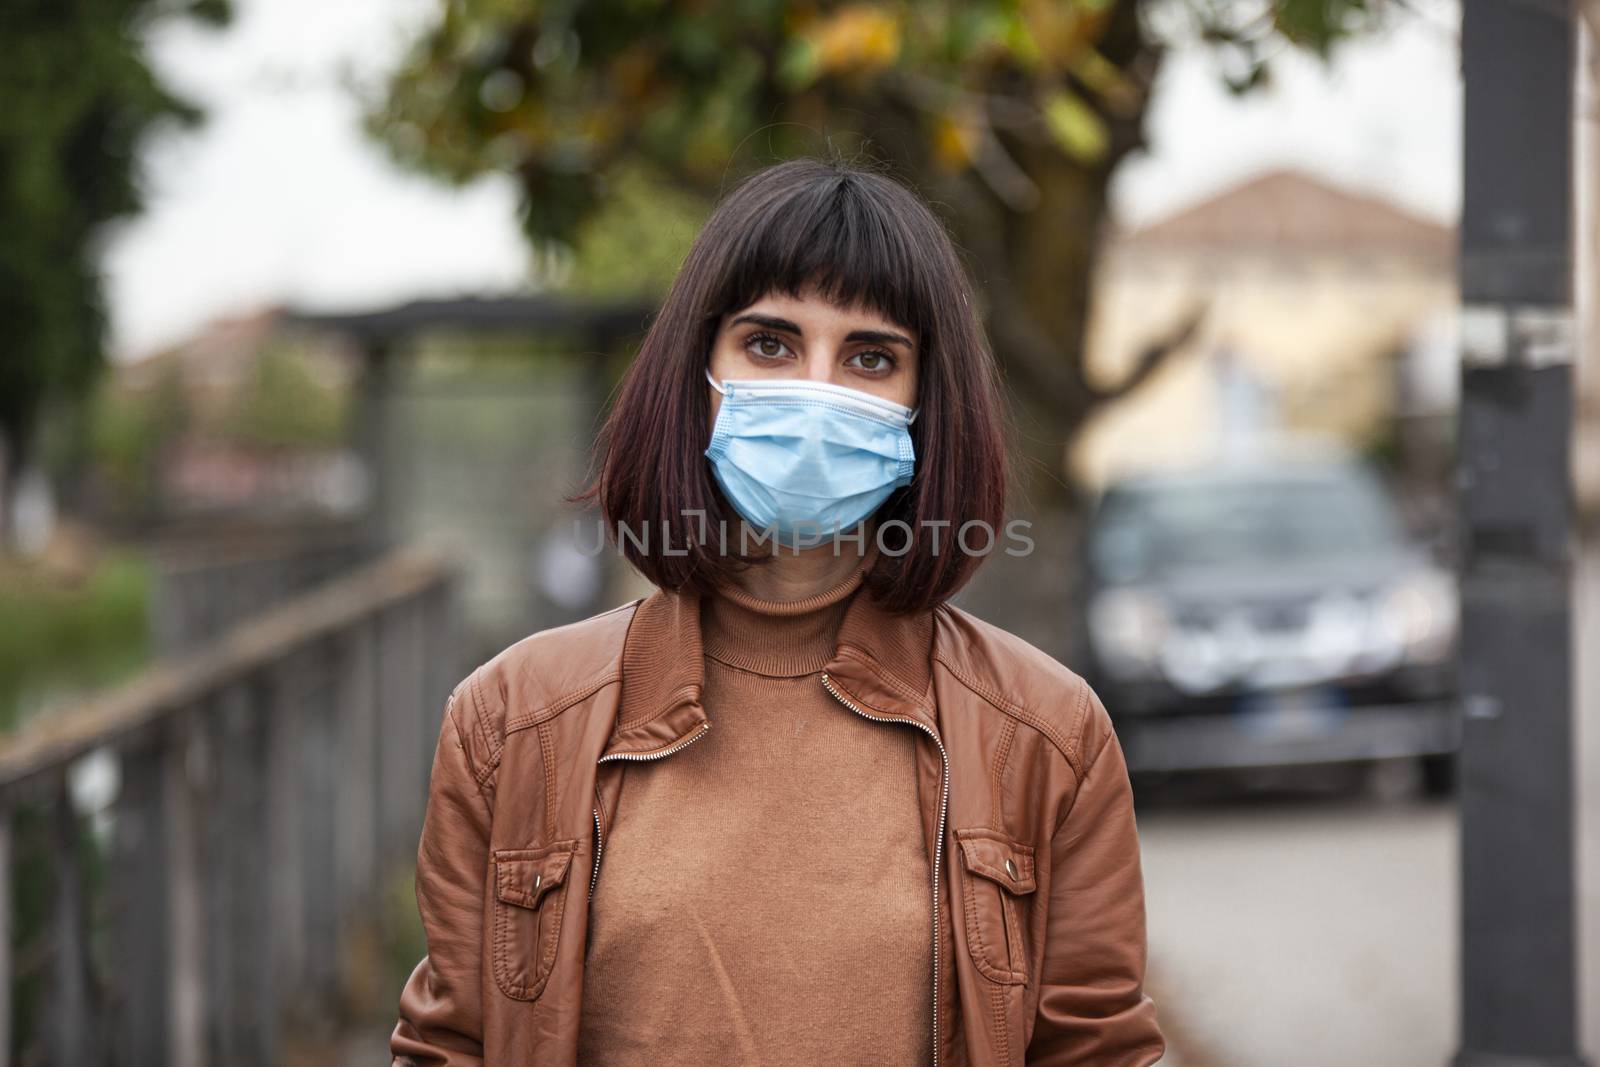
column 807, row 459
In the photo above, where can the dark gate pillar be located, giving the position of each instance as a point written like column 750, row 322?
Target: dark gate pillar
column 374, row 438
column 1519, row 994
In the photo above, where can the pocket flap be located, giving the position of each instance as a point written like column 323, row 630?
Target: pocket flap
column 523, row 875
column 998, row 858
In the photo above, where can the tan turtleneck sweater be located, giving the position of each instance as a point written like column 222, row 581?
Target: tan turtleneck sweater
column 764, row 893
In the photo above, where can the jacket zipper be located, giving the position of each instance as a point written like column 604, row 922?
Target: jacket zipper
column 938, row 848
column 599, row 846
column 599, row 843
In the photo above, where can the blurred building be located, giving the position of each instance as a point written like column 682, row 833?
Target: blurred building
column 250, row 417
column 1330, row 312
column 223, row 358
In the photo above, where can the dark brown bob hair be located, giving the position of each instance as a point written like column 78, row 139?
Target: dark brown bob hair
column 860, row 239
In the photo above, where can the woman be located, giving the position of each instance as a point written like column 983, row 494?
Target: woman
column 792, row 808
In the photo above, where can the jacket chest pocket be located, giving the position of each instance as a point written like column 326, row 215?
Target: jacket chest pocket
column 997, row 882
column 530, row 893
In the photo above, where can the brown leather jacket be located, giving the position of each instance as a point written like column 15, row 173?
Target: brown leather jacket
column 1039, row 908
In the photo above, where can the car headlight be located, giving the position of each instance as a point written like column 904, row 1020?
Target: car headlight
column 1200, row 661
column 1128, row 628
column 1423, row 612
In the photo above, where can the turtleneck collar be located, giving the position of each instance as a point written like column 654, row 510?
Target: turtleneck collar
column 882, row 661
column 780, row 639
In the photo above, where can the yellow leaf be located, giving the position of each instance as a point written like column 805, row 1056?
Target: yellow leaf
column 856, row 37
column 955, row 141
column 1075, row 126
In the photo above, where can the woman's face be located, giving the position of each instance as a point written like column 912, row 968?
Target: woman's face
column 808, row 338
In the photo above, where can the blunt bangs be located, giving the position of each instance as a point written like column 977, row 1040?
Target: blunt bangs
column 841, row 238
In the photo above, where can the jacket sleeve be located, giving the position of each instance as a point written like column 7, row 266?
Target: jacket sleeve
column 441, row 1009
column 1092, row 1006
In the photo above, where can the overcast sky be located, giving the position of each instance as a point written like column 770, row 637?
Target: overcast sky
column 279, row 199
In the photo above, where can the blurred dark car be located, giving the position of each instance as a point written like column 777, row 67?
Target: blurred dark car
column 1269, row 613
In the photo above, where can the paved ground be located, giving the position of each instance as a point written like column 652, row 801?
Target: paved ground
column 1305, row 932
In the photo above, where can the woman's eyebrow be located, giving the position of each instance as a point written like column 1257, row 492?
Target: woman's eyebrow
column 773, row 322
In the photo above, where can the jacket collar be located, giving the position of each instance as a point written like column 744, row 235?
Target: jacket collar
column 881, row 662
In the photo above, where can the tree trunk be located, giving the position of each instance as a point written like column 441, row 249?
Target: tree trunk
column 1033, row 261
column 11, row 459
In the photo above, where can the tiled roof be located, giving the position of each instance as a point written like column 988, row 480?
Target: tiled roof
column 1294, row 211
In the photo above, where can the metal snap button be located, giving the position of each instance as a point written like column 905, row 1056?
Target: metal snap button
column 1011, row 869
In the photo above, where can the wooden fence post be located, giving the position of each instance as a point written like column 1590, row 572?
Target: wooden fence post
column 139, row 914
column 74, row 1031
column 443, row 668
column 318, row 838
column 186, row 1005
column 7, row 967
column 401, row 750
column 286, row 878
column 356, row 813
column 358, row 780
column 243, row 1010
column 422, row 711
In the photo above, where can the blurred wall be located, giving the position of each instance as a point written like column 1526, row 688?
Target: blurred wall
column 1317, row 297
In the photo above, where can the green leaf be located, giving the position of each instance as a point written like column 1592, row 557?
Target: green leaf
column 1019, row 41
column 798, row 64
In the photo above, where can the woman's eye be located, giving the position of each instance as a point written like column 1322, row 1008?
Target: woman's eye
column 766, row 346
column 873, row 361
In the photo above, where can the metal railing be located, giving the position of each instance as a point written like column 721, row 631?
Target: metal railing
column 211, row 582
column 255, row 799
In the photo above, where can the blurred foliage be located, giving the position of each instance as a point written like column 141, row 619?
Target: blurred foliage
column 284, row 406
column 129, row 431
column 81, row 99
column 404, row 939
column 65, row 636
column 634, row 241
column 559, row 93
column 1008, row 114
column 285, row 400
column 1246, row 35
